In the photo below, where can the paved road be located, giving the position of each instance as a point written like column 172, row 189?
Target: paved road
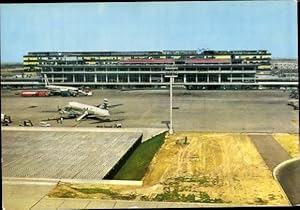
column 289, row 178
column 270, row 150
column 224, row 111
column 21, row 197
column 288, row 175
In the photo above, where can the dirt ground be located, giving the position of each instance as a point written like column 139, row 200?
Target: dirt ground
column 290, row 142
column 205, row 167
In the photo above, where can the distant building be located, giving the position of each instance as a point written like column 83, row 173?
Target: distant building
column 260, row 57
column 208, row 69
column 285, row 68
column 285, row 64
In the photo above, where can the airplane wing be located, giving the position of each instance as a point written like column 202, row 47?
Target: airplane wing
column 106, row 120
column 102, row 106
column 114, row 105
column 82, row 116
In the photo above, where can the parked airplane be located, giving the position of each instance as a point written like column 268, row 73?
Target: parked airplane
column 74, row 91
column 79, row 110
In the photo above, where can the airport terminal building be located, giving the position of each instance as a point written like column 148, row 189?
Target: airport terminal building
column 194, row 69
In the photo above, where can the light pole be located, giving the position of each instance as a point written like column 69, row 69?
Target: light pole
column 170, row 74
column 3, row 207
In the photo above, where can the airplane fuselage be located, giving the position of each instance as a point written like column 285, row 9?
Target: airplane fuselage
column 92, row 110
column 61, row 88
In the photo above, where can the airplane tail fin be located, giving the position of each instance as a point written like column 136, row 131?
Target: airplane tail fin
column 105, row 104
column 46, row 80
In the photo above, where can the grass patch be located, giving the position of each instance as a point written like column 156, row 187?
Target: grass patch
column 111, row 194
column 200, row 180
column 63, row 194
column 66, row 190
column 136, row 165
column 174, row 196
column 260, row 201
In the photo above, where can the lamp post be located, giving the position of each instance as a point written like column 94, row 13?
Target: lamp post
column 171, row 74
column 3, row 207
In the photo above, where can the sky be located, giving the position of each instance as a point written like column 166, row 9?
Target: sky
column 133, row 26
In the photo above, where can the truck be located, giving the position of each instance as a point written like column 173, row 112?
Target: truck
column 26, row 123
column 35, row 93
column 45, row 124
column 5, row 119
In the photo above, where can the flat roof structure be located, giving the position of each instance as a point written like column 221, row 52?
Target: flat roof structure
column 65, row 154
column 196, row 69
